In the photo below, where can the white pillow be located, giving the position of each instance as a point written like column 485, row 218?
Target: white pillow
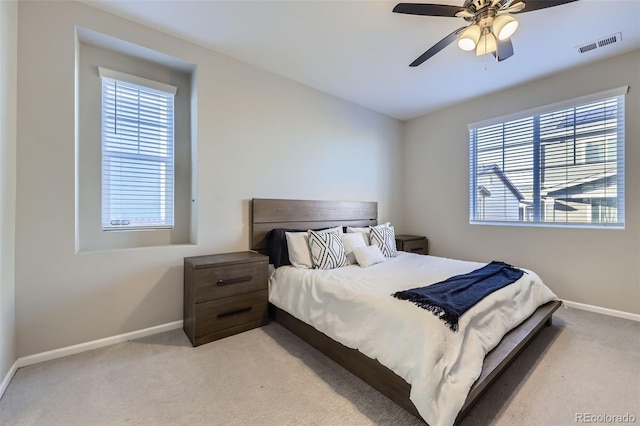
column 385, row 238
column 351, row 241
column 298, row 247
column 368, row 255
column 365, row 231
column 327, row 250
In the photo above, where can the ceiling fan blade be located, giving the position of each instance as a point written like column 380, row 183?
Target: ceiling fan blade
column 531, row 5
column 437, row 47
column 515, row 8
column 465, row 13
column 505, row 50
column 427, row 9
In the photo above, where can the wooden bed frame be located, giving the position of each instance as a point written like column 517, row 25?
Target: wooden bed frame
column 268, row 214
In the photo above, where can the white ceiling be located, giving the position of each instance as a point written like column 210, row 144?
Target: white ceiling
column 360, row 50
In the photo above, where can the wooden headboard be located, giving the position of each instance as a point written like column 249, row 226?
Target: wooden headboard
column 267, row 214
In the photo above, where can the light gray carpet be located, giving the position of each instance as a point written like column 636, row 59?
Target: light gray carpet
column 585, row 363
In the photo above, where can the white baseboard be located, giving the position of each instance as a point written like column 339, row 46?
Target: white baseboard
column 95, row 344
column 604, row 311
column 7, row 378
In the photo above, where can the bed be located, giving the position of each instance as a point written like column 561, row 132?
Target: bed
column 391, row 379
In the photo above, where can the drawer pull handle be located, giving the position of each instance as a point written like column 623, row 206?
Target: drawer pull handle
column 234, row 280
column 236, row 312
column 416, row 249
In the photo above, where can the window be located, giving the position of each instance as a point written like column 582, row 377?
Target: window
column 561, row 165
column 137, row 153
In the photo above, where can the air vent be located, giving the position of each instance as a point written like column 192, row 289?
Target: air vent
column 587, row 47
column 615, row 38
column 608, row 40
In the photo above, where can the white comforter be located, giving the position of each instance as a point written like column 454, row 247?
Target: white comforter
column 354, row 306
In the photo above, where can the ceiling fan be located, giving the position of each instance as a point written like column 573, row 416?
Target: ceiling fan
column 491, row 24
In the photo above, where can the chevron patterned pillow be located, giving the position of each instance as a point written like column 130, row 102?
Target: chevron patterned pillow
column 385, row 238
column 327, row 250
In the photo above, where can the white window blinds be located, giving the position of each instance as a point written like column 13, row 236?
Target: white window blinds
column 561, row 165
column 137, row 152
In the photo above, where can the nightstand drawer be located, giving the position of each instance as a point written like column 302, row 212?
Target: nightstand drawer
column 224, row 294
column 223, row 314
column 230, row 280
column 415, row 246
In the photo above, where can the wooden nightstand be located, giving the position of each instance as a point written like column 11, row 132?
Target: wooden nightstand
column 224, row 294
column 412, row 244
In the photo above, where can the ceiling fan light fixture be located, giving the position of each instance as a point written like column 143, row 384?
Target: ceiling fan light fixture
column 504, row 26
column 487, row 44
column 491, row 18
column 469, row 38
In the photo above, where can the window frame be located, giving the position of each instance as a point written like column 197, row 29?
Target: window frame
column 151, row 87
column 536, row 207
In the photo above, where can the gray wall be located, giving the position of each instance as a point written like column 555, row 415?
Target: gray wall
column 592, row 266
column 258, row 135
column 8, row 99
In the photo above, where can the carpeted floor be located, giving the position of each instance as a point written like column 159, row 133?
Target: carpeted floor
column 586, row 364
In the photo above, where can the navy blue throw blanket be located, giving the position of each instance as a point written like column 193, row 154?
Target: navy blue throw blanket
column 451, row 298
